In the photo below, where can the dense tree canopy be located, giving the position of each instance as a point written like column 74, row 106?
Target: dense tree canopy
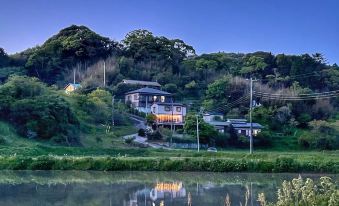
column 37, row 110
column 72, row 45
column 213, row 81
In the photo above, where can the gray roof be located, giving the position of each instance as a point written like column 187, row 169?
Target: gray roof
column 212, row 113
column 237, row 120
column 248, row 125
column 169, row 104
column 139, row 82
column 151, row 91
column 218, row 123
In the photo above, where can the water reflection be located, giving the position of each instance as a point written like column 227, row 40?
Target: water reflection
column 137, row 188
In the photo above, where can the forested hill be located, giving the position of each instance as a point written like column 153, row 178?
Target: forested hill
column 215, row 80
column 141, row 55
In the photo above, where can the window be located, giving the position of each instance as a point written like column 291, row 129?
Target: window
column 135, row 97
column 178, row 109
column 153, row 110
column 154, row 98
column 162, row 98
column 167, row 108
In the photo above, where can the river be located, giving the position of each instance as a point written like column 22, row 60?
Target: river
column 44, row 188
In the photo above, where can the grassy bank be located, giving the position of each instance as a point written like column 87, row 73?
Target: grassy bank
column 17, row 153
column 217, row 164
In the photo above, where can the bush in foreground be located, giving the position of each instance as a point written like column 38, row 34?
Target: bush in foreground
column 303, row 193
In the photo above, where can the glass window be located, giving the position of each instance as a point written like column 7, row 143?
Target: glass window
column 178, row 109
column 167, row 108
column 162, row 98
column 135, row 97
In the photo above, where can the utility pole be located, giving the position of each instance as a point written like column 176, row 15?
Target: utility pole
column 104, row 73
column 146, row 104
column 172, row 120
column 73, row 76
column 198, row 132
column 112, row 111
column 172, row 115
column 251, row 108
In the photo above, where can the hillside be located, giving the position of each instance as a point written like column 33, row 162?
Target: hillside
column 215, row 81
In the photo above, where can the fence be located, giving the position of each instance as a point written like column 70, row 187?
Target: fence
column 188, row 146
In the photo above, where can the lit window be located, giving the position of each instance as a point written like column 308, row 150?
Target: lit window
column 162, row 98
column 154, row 98
column 178, row 109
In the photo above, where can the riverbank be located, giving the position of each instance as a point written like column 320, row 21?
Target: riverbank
column 263, row 162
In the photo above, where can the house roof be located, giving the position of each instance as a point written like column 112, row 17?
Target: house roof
column 212, row 113
column 151, row 91
column 248, row 125
column 237, row 121
column 139, row 82
column 169, row 104
column 218, row 123
column 76, row 85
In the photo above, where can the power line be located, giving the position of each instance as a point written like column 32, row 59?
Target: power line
column 301, row 76
column 314, row 96
column 230, row 105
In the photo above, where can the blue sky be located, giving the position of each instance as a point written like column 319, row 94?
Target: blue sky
column 279, row 26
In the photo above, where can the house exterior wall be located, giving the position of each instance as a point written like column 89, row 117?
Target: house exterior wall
column 164, row 113
column 247, row 131
column 210, row 117
column 143, row 102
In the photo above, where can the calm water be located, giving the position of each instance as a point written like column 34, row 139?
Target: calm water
column 136, row 188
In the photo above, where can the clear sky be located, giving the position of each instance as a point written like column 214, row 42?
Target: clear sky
column 279, row 26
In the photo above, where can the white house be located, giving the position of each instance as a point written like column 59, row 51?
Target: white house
column 169, row 113
column 142, row 99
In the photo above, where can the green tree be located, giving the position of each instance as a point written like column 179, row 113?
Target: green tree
column 142, row 45
column 37, row 110
column 4, row 59
column 63, row 51
column 151, row 119
column 207, row 133
column 98, row 105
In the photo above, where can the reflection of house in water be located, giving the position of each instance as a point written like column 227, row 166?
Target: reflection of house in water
column 161, row 193
column 170, row 190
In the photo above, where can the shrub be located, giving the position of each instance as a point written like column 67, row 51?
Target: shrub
column 141, row 132
column 150, row 119
column 154, row 135
column 35, row 109
column 2, row 140
column 129, row 140
column 300, row 192
column 263, row 139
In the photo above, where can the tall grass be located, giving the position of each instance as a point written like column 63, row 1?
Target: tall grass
column 164, row 164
